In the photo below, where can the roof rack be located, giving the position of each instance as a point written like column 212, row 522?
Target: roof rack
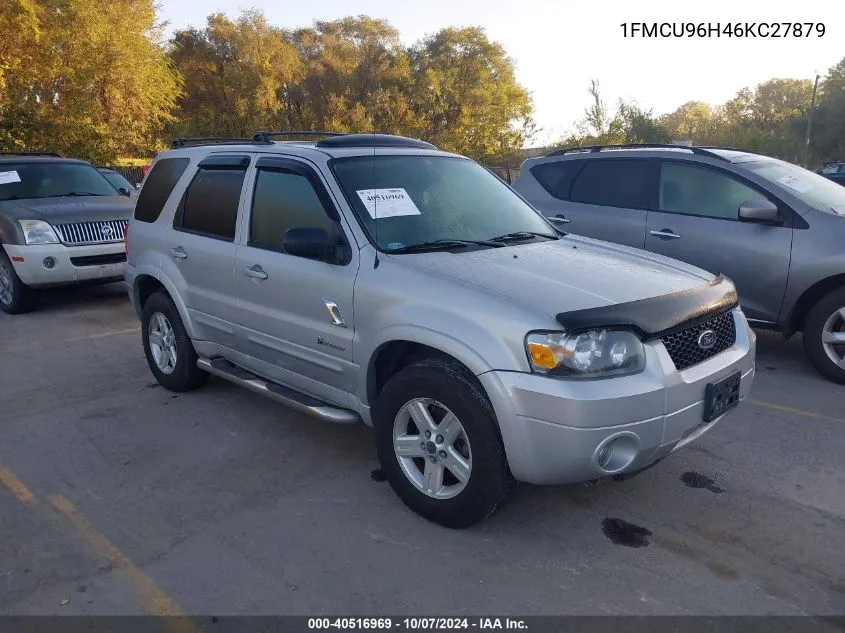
column 374, row 140
column 703, row 151
column 265, row 137
column 186, row 141
column 57, row 154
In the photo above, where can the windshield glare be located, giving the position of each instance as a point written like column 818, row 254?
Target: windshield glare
column 48, row 179
column 815, row 190
column 423, row 198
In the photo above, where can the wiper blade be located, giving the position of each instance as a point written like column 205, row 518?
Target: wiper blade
column 71, row 194
column 523, row 235
column 442, row 244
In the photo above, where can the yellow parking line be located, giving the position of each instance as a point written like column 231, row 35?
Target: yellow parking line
column 155, row 600
column 16, row 486
column 785, row 409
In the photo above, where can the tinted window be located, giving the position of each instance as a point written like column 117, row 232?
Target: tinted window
column 210, row 205
column 283, row 201
column 47, row 179
column 158, row 187
column 702, row 191
column 556, row 177
column 117, row 180
column 613, row 182
column 817, row 191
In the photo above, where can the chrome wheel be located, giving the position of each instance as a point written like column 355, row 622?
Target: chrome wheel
column 162, row 343
column 432, row 448
column 5, row 284
column 833, row 337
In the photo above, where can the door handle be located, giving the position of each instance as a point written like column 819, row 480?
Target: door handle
column 179, row 253
column 560, row 219
column 665, row 234
column 256, row 272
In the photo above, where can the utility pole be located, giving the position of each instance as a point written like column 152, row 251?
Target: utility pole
column 810, row 122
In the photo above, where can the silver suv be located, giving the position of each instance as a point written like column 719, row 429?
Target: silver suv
column 775, row 229
column 374, row 278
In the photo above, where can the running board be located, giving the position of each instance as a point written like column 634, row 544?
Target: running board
column 289, row 397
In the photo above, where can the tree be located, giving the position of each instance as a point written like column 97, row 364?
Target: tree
column 89, row 79
column 237, row 75
column 466, row 95
column 695, row 121
column 828, row 133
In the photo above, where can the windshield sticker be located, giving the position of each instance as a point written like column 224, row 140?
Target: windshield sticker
column 795, row 183
column 388, row 203
column 8, row 177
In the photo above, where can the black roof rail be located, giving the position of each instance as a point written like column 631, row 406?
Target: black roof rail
column 56, row 154
column 186, row 141
column 703, row 151
column 266, row 136
column 373, row 140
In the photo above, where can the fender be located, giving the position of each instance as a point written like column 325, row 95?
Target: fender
column 155, row 272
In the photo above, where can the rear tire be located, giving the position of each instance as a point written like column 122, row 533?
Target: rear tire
column 823, row 328
column 15, row 296
column 463, row 467
column 167, row 346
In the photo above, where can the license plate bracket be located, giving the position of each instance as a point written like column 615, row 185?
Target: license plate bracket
column 721, row 396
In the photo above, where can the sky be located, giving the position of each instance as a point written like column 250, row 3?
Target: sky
column 559, row 46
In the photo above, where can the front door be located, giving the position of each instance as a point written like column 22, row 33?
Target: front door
column 296, row 311
column 697, row 221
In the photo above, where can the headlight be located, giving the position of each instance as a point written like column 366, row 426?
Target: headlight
column 593, row 354
column 38, row 232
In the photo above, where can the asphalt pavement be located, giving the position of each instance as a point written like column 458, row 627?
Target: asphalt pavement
column 119, row 497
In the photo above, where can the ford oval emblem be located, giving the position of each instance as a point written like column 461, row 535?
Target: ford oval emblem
column 707, row 339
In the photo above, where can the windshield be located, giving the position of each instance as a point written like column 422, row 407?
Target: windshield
column 117, row 180
column 815, row 190
column 421, row 199
column 49, row 179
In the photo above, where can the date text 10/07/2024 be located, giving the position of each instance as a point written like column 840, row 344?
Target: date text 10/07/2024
column 418, row 624
column 727, row 29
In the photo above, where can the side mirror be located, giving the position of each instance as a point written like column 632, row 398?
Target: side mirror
column 125, row 192
column 762, row 211
column 310, row 243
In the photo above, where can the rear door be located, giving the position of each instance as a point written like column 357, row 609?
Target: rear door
column 606, row 198
column 295, row 312
column 200, row 252
column 697, row 221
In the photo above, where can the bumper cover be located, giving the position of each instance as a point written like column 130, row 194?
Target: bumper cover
column 553, row 429
column 71, row 264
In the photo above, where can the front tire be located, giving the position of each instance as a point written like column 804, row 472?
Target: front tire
column 439, row 445
column 15, row 296
column 167, row 346
column 824, row 336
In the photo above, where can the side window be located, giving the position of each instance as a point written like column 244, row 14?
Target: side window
column 556, row 177
column 210, row 205
column 696, row 190
column 160, row 183
column 613, row 182
column 285, row 200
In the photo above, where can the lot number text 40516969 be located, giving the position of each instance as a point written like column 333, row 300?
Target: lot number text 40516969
column 418, row 624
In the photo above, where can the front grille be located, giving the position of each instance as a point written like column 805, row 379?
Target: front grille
column 683, row 346
column 98, row 260
column 103, row 232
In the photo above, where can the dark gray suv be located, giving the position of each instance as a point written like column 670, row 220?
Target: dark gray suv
column 775, row 229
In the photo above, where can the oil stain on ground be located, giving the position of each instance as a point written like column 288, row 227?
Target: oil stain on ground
column 377, row 475
column 623, row 533
column 696, row 480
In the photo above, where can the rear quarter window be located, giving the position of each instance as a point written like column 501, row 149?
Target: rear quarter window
column 613, row 182
column 157, row 188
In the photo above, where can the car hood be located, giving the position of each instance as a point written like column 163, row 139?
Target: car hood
column 67, row 210
column 572, row 273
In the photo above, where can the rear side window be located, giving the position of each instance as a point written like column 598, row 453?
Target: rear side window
column 158, row 187
column 613, row 182
column 557, row 177
column 210, row 204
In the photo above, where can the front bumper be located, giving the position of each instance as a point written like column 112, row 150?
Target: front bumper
column 553, row 429
column 70, row 264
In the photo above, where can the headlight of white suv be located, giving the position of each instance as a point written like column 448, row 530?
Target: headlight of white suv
column 38, row 232
column 592, row 354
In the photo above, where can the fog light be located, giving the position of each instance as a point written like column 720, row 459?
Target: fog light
column 49, row 262
column 617, row 453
